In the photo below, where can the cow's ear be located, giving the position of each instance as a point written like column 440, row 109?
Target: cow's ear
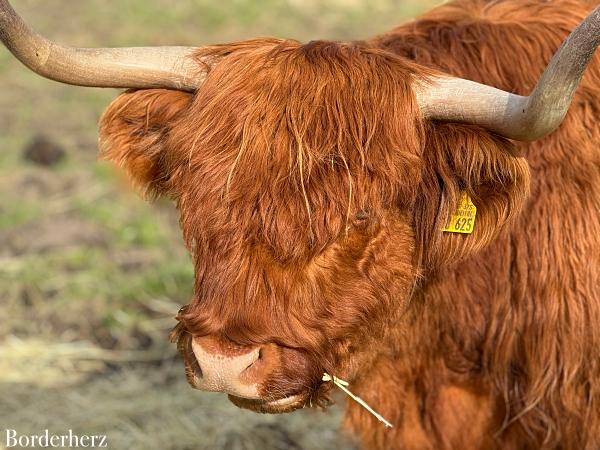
column 134, row 134
column 466, row 159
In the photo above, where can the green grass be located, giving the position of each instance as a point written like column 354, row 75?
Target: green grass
column 137, row 22
column 15, row 214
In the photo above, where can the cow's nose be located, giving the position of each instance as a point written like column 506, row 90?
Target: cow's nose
column 227, row 367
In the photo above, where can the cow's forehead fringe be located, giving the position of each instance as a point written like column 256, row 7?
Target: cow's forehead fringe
column 301, row 137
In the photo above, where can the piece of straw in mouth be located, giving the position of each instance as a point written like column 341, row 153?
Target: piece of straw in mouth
column 343, row 385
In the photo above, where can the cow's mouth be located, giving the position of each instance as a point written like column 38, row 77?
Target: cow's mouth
column 283, row 405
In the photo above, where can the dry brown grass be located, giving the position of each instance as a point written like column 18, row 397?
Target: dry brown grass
column 143, row 405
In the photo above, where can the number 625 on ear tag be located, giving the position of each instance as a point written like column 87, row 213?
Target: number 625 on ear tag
column 463, row 219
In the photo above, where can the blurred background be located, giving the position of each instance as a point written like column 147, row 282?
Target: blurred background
column 91, row 276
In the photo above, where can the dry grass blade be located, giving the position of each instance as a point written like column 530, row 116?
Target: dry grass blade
column 343, row 386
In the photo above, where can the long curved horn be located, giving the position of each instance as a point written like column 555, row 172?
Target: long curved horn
column 137, row 67
column 514, row 116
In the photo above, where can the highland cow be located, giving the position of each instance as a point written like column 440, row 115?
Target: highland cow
column 315, row 183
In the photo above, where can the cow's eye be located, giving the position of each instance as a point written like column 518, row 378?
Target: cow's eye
column 362, row 218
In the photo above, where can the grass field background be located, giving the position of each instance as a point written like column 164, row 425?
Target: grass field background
column 90, row 275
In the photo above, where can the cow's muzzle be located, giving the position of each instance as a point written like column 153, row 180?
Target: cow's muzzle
column 264, row 378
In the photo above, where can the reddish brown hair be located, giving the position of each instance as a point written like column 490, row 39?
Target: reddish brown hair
column 312, row 198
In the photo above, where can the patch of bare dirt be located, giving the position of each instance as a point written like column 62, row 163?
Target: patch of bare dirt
column 49, row 235
column 44, row 151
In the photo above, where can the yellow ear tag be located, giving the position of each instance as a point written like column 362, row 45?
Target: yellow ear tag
column 463, row 219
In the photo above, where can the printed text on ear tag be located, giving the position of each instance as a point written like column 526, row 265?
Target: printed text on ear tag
column 463, row 219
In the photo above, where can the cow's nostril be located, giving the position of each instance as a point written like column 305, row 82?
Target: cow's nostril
column 197, row 369
column 256, row 356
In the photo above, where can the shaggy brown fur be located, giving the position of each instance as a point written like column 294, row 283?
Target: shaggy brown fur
column 312, row 198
